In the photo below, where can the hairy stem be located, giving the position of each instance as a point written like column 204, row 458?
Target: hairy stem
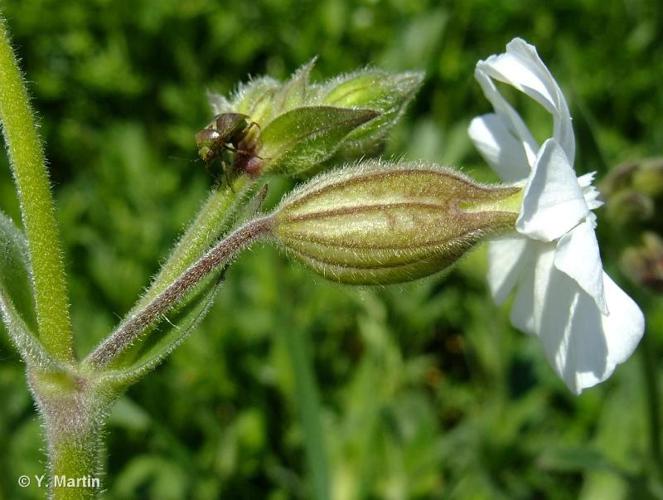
column 74, row 412
column 75, row 460
column 212, row 220
column 134, row 326
column 37, row 208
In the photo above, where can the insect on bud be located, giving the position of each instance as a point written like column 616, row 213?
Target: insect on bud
column 297, row 127
column 379, row 223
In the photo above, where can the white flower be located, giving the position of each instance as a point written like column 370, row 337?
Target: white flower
column 587, row 324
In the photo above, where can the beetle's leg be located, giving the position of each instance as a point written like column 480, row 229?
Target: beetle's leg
column 227, row 178
column 254, row 124
column 237, row 150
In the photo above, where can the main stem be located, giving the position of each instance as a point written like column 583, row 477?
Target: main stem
column 74, row 412
column 37, row 207
column 75, row 459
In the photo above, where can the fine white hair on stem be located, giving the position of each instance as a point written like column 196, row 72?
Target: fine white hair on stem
column 127, row 333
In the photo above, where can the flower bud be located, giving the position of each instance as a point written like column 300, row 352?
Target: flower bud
column 256, row 99
column 299, row 125
column 643, row 264
column 633, row 191
column 297, row 91
column 388, row 93
column 648, row 179
column 628, row 206
column 379, row 223
column 290, row 132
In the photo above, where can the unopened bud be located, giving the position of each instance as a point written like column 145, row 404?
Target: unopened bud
column 633, row 191
column 379, row 223
column 291, row 130
column 256, row 99
column 388, row 93
column 302, row 138
column 299, row 126
column 628, row 206
column 648, row 179
column 297, row 91
column 643, row 264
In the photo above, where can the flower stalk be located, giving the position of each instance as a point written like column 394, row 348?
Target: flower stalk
column 129, row 331
column 212, row 220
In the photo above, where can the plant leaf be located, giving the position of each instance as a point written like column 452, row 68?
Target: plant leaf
column 15, row 274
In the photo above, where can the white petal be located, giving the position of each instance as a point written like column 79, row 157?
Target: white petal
column 532, row 286
column 522, row 68
column 499, row 147
column 583, row 345
column 522, row 311
column 590, row 193
column 556, row 323
column 510, row 117
column 553, row 202
column 586, row 180
column 623, row 326
column 577, row 256
column 505, row 264
column 587, row 354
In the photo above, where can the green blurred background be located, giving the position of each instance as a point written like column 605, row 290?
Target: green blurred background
column 419, row 391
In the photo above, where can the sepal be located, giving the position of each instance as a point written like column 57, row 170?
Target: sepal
column 378, row 222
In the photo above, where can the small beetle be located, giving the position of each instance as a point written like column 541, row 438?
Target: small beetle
column 233, row 132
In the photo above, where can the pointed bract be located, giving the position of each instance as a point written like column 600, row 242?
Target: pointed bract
column 295, row 92
column 307, row 136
